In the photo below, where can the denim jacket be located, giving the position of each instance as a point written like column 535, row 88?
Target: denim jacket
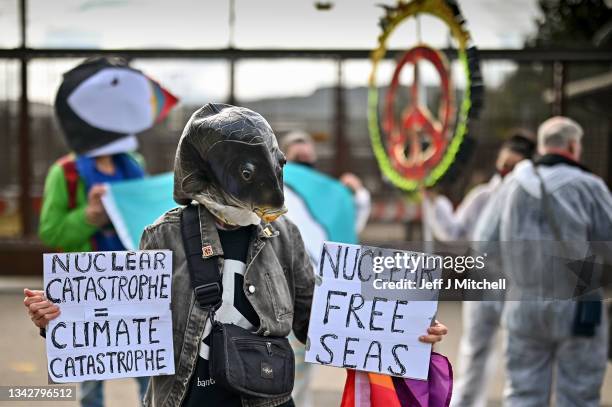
column 278, row 282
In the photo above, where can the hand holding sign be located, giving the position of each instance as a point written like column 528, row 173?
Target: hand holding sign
column 435, row 333
column 40, row 310
column 115, row 314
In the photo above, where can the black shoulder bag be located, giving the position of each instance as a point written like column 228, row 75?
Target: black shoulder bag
column 240, row 360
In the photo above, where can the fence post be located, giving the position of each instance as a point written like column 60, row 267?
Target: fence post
column 25, row 175
column 341, row 145
column 559, row 79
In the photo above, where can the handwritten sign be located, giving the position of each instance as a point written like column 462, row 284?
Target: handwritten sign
column 115, row 318
column 370, row 318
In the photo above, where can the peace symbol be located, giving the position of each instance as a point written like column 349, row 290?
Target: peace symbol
column 416, row 142
column 412, row 146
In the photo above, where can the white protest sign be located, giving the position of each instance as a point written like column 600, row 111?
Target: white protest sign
column 370, row 320
column 115, row 318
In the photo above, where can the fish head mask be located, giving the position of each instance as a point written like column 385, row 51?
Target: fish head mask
column 228, row 159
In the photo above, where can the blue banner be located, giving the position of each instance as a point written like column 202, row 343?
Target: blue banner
column 322, row 208
column 134, row 204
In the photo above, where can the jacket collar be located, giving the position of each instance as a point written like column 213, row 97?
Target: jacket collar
column 548, row 160
column 211, row 244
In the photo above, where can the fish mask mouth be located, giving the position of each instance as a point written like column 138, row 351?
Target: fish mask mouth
column 270, row 214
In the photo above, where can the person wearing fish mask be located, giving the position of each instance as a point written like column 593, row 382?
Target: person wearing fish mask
column 228, row 168
column 228, row 175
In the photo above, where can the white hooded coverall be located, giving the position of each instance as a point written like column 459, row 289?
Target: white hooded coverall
column 480, row 318
column 539, row 340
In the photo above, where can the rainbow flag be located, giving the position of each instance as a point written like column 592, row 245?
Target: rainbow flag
column 364, row 389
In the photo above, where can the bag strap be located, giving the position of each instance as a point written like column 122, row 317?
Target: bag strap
column 203, row 272
column 547, row 209
column 71, row 175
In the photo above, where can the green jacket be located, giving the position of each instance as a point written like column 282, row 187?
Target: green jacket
column 60, row 227
column 63, row 228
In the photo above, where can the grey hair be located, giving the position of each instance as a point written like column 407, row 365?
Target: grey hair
column 558, row 132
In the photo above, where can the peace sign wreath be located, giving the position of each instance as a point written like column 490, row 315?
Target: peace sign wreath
column 419, row 148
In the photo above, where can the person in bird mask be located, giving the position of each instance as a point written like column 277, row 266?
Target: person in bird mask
column 100, row 105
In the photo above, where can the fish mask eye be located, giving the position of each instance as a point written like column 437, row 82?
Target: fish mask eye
column 247, row 171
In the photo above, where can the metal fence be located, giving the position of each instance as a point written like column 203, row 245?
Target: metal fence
column 528, row 86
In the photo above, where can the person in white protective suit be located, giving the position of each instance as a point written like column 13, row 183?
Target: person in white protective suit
column 449, row 225
column 480, row 318
column 554, row 202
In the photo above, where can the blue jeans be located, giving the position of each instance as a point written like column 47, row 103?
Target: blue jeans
column 92, row 392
